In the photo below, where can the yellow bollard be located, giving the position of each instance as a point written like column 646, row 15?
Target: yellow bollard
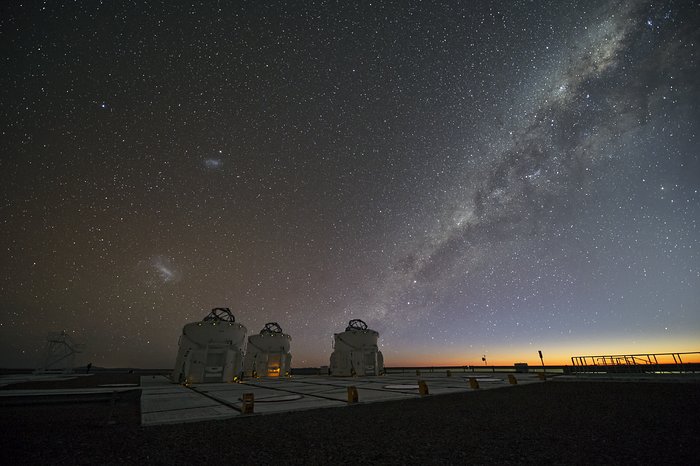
column 542, row 376
column 248, row 405
column 512, row 380
column 449, row 373
column 473, row 383
column 353, row 397
column 423, row 388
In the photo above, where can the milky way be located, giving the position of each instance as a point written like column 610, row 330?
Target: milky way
column 547, row 158
column 468, row 178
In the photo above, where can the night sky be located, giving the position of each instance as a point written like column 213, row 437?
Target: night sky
column 469, row 178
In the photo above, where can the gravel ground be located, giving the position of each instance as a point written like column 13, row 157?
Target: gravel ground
column 551, row 423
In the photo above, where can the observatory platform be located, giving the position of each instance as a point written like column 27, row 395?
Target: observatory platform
column 163, row 402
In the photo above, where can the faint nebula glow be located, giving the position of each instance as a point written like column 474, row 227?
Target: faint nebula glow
column 213, row 164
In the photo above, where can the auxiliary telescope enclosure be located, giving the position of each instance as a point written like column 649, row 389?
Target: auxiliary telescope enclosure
column 267, row 353
column 356, row 351
column 210, row 350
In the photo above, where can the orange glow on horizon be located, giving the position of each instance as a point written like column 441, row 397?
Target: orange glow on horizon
column 559, row 355
column 438, row 362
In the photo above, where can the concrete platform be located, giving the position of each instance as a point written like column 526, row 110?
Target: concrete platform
column 163, row 402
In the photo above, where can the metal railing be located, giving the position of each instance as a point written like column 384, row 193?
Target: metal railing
column 642, row 362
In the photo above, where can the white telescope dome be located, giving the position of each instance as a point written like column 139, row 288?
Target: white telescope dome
column 210, row 350
column 268, row 353
column 356, row 351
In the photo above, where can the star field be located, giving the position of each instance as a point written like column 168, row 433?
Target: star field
column 470, row 179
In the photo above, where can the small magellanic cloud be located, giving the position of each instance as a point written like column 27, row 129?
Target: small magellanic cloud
column 213, row 164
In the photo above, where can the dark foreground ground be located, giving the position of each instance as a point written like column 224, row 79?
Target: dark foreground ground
column 551, row 423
